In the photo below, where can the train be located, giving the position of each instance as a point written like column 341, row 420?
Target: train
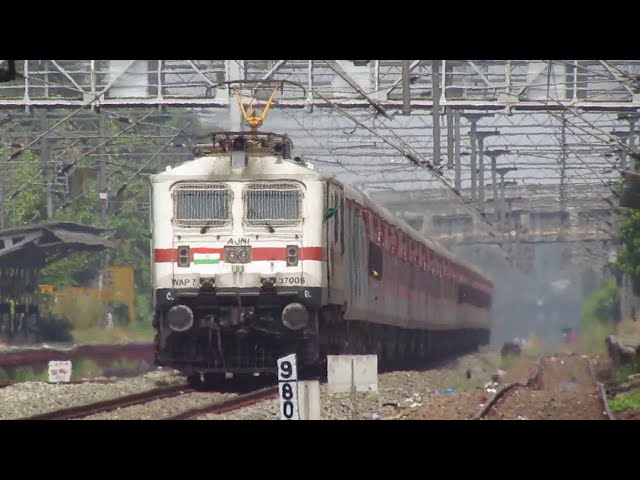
column 256, row 254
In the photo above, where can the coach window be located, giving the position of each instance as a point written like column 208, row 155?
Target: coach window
column 375, row 261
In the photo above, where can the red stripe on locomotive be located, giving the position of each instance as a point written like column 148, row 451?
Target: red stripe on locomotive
column 163, row 255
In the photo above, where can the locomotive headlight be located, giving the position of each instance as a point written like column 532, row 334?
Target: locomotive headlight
column 295, row 316
column 268, row 282
column 230, row 254
column 180, row 318
column 292, row 255
column 244, row 255
column 237, row 254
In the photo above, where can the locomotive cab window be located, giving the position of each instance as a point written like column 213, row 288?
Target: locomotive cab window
column 201, row 204
column 375, row 261
column 273, row 203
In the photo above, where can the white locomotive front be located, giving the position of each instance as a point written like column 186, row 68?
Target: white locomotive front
column 237, row 256
column 256, row 256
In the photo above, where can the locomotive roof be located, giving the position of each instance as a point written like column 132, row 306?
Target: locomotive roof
column 261, row 166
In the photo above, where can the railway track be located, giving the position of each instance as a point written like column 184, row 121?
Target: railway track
column 533, row 379
column 216, row 407
column 227, row 406
column 546, row 389
column 82, row 411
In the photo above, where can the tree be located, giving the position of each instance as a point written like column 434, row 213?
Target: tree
column 127, row 219
column 628, row 258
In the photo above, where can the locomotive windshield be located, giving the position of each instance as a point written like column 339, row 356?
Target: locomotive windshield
column 277, row 204
column 202, row 204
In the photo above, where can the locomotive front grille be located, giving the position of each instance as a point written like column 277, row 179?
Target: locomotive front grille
column 273, row 203
column 202, row 205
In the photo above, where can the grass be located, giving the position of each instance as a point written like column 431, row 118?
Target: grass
column 629, row 401
column 122, row 368
column 135, row 332
column 508, row 361
column 85, row 368
column 625, row 370
column 490, row 361
column 592, row 338
column 598, row 318
column 630, row 329
column 26, row 374
column 81, row 369
column 469, row 385
column 534, row 348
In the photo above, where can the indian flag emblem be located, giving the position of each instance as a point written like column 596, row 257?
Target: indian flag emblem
column 206, row 258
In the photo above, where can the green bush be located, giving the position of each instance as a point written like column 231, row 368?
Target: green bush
column 85, row 368
column 26, row 374
column 603, row 307
column 626, row 402
column 600, row 313
column 508, row 361
column 629, row 369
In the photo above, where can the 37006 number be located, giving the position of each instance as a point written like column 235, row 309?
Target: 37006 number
column 291, row 280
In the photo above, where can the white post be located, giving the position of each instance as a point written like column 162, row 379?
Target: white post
column 309, row 400
column 353, row 390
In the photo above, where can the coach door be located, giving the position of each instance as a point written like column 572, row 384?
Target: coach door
column 334, row 231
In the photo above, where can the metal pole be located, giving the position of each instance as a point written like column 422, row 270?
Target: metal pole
column 310, row 87
column 622, row 136
column 102, row 171
column 472, row 139
column 503, row 219
column 450, row 146
column 481, row 173
column 235, row 71
column 103, row 198
column 632, row 139
column 458, row 181
column 563, row 162
column 494, row 180
column 3, row 159
column 45, row 159
column 436, row 110
column 406, row 88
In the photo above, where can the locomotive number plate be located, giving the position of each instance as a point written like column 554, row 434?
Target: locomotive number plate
column 290, row 279
column 185, row 281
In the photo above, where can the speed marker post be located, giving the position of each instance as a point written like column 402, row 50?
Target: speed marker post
column 288, row 387
column 59, row 372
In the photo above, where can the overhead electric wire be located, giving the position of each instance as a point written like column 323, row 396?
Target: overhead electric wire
column 41, row 171
column 126, row 182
